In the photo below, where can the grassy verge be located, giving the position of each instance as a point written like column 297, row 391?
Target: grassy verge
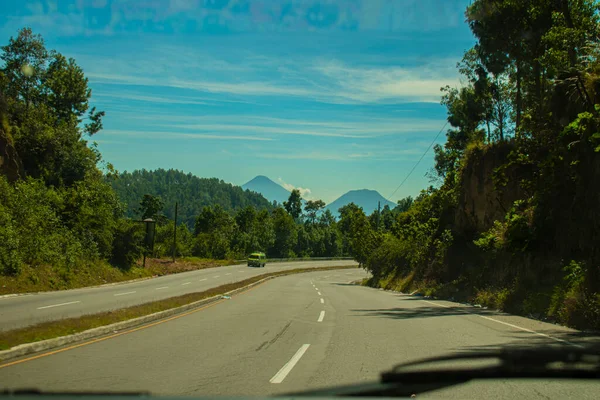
column 46, row 278
column 53, row 329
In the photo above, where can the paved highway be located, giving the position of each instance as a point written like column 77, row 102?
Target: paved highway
column 294, row 333
column 20, row 311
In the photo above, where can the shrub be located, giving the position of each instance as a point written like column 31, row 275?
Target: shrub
column 127, row 245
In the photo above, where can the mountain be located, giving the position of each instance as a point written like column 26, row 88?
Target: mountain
column 189, row 191
column 269, row 189
column 367, row 199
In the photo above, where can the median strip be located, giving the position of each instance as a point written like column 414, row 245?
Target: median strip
column 29, row 339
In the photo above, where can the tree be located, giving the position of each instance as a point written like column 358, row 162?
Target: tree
column 294, row 204
column 46, row 97
column 388, row 217
column 327, row 218
column 150, row 207
column 359, row 237
column 286, row 234
column 215, row 230
column 25, row 59
column 404, row 204
column 312, row 208
column 246, row 219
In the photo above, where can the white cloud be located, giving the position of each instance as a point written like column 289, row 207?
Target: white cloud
column 267, row 129
column 304, row 192
column 326, row 81
column 362, row 129
column 420, row 83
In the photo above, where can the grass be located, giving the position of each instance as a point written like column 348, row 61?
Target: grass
column 46, row 278
column 54, row 329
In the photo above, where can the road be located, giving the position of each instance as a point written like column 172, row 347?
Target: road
column 20, row 311
column 293, row 333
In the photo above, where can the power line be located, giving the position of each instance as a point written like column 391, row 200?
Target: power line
column 420, row 159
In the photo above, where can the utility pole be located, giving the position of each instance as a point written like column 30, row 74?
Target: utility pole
column 175, row 234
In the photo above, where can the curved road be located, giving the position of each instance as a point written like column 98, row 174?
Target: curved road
column 20, row 311
column 293, row 333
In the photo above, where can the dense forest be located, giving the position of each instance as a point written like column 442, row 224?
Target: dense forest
column 190, row 192
column 515, row 221
column 296, row 229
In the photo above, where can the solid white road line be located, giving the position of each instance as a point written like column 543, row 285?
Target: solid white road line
column 162, row 287
column 59, row 305
column 322, row 301
column 202, row 280
column 287, row 368
column 512, row 326
column 321, row 316
column 319, row 293
column 123, row 294
column 185, row 283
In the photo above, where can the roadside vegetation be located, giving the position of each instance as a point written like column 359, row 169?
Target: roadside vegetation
column 512, row 220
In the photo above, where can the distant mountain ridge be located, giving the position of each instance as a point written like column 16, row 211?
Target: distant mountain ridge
column 365, row 198
column 267, row 188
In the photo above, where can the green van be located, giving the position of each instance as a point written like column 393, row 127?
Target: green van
column 257, row 259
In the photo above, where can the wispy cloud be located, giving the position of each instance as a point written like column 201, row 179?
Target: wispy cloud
column 382, row 84
column 303, row 156
column 304, row 192
column 152, row 99
column 170, row 135
column 325, row 81
column 363, row 128
column 268, row 129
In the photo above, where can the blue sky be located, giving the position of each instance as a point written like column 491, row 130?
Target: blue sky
column 326, row 96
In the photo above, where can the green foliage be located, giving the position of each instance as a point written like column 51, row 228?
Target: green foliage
column 127, row 245
column 294, row 204
column 312, row 208
column 190, row 192
column 150, row 207
column 514, row 234
column 286, row 234
column 404, row 204
column 493, row 298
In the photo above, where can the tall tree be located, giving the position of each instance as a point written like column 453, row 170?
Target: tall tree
column 312, row 208
column 294, row 204
column 286, row 234
column 150, row 207
column 47, row 95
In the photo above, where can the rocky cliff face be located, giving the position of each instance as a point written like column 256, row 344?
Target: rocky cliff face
column 481, row 200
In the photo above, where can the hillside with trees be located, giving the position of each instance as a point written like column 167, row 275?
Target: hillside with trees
column 189, row 191
column 515, row 223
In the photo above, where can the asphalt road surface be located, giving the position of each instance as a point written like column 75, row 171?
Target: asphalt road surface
column 293, row 333
column 20, row 311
